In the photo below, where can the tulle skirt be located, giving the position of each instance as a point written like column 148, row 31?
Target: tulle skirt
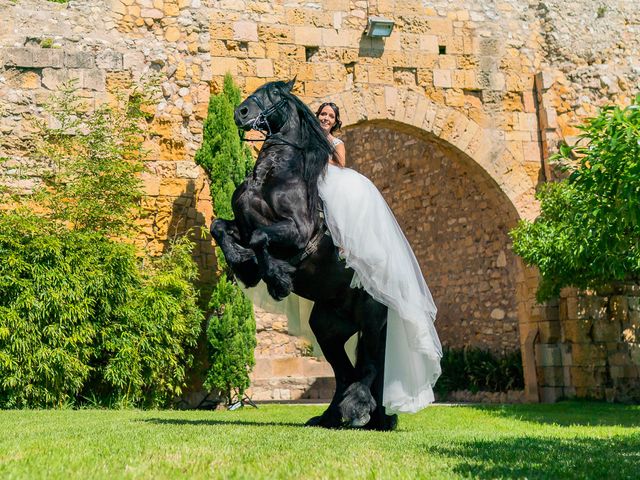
column 364, row 228
column 373, row 245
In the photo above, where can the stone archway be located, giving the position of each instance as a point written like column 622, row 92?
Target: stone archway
column 482, row 157
column 457, row 221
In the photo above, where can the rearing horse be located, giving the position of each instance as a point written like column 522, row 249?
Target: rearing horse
column 278, row 236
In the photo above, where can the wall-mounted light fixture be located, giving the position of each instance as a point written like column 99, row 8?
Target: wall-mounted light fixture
column 379, row 27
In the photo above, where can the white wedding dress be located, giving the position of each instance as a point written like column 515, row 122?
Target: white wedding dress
column 363, row 226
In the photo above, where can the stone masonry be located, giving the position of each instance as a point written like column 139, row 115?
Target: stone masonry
column 471, row 98
column 589, row 345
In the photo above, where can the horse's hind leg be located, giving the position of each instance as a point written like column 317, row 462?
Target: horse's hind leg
column 332, row 328
column 242, row 260
column 379, row 418
column 362, row 403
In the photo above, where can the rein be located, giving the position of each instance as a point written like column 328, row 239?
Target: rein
column 261, row 124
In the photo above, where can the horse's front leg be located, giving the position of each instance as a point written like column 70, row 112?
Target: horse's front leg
column 277, row 273
column 242, row 260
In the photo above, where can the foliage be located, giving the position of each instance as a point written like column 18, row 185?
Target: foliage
column 231, row 330
column 588, row 232
column 80, row 315
column 231, row 333
column 96, row 157
column 480, row 370
column 222, row 155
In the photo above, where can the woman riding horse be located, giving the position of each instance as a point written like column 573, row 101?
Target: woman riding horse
column 279, row 236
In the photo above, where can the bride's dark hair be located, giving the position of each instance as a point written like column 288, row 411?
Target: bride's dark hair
column 336, row 111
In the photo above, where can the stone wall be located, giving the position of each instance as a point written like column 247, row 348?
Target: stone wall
column 588, row 346
column 44, row 44
column 456, row 220
column 488, row 88
column 285, row 369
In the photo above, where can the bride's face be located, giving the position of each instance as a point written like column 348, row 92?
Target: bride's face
column 327, row 118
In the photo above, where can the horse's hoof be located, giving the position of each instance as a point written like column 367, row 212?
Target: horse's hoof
column 278, row 279
column 387, row 424
column 323, row 421
column 357, row 404
column 360, row 422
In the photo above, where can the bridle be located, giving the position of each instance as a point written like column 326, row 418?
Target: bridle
column 261, row 122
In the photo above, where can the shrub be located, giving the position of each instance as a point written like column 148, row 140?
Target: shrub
column 480, row 370
column 588, row 231
column 232, row 329
column 80, row 315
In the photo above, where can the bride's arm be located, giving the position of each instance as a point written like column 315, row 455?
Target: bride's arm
column 339, row 157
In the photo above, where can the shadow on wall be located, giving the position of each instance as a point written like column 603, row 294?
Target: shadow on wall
column 186, row 218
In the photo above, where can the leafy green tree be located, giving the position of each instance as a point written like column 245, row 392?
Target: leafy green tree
column 588, row 232
column 231, row 330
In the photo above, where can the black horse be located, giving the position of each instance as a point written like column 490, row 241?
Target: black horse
column 278, row 236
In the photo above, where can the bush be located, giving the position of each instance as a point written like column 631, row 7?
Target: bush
column 479, row 370
column 232, row 328
column 588, row 232
column 81, row 316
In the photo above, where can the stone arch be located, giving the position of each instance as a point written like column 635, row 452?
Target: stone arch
column 485, row 154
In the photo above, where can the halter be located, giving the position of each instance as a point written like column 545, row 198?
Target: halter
column 260, row 123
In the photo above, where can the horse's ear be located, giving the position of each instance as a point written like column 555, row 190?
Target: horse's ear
column 290, row 84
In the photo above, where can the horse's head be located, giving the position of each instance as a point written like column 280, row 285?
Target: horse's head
column 266, row 108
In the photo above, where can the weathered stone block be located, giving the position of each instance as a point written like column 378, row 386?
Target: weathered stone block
column 287, row 367
column 222, row 65
column 245, row 31
column 94, row 79
column 576, row 331
column 276, row 34
column 618, row 308
column 17, row 57
column 551, row 376
column 588, row 376
column 606, row 331
column 548, row 355
column 592, row 307
column 551, row 394
column 112, row 60
column 308, row 36
column 48, row 57
column 264, row 67
column 79, row 60
column 442, row 78
column 312, row 367
column 187, row 169
column 550, row 332
column 53, row 78
column 589, row 354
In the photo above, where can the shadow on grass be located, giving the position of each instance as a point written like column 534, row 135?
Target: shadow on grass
column 569, row 413
column 248, row 423
column 521, row 457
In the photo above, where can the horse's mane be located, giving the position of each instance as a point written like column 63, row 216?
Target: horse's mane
column 316, row 148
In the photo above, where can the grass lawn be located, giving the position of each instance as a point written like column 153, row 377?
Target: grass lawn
column 566, row 440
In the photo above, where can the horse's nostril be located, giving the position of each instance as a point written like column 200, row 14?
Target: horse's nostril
column 244, row 111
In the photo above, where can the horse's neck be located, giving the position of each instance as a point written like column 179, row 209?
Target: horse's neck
column 273, row 159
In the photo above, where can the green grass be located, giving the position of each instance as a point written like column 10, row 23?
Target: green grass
column 566, row 440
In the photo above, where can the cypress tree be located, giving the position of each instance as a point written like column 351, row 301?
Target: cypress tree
column 231, row 330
